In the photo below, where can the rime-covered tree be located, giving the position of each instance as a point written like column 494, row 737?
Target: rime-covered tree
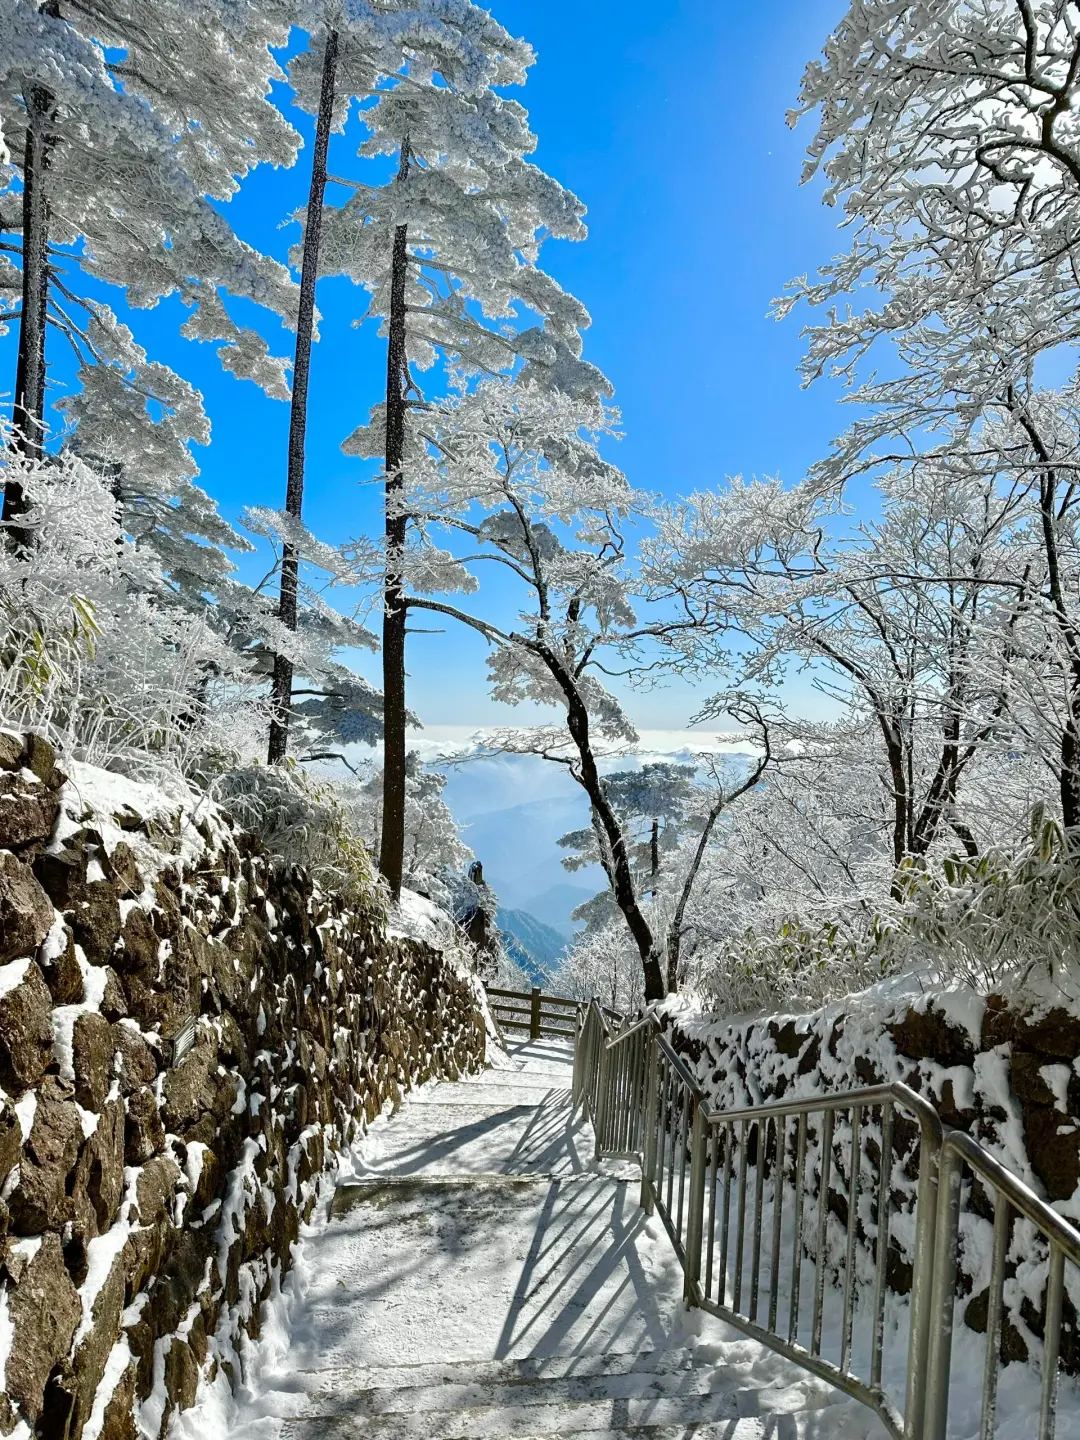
column 447, row 250
column 124, row 143
column 509, row 475
column 915, row 621
column 949, row 134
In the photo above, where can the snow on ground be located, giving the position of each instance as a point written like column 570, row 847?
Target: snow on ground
column 472, row 1225
column 451, row 1237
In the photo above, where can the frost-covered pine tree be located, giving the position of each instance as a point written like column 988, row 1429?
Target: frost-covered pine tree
column 122, row 146
column 447, row 250
column 353, row 54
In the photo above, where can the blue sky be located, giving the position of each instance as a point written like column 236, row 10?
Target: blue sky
column 668, row 121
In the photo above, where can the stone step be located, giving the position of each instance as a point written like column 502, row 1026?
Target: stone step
column 510, row 1371
column 520, row 1393
column 498, row 1095
column 522, row 1416
column 386, row 1186
column 735, row 1429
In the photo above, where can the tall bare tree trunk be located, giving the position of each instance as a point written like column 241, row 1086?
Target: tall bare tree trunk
column 294, row 493
column 675, row 929
column 29, row 408
column 619, row 872
column 392, row 847
column 1069, row 748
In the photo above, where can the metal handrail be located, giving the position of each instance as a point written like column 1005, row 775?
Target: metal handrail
column 1010, row 1194
column 593, row 1034
column 644, row 1100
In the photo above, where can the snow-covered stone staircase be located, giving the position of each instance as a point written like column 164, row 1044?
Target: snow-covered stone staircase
column 480, row 1277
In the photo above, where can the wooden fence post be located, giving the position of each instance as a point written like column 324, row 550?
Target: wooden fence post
column 534, row 1015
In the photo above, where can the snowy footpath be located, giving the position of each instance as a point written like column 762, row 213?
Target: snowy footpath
column 477, row 1275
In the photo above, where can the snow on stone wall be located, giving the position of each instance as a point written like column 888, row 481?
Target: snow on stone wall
column 148, row 1207
column 1009, row 1076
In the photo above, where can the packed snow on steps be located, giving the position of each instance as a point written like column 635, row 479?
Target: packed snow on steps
column 476, row 1274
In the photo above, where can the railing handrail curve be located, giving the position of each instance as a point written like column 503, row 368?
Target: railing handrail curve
column 1020, row 1196
column 646, row 1022
column 620, row 1088
column 836, row 1100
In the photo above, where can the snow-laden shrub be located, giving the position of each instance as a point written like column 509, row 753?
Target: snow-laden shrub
column 771, row 926
column 95, row 650
column 306, row 821
column 993, row 921
column 603, row 963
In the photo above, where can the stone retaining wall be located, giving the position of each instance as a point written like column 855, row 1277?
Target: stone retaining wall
column 1007, row 1075
column 148, row 1198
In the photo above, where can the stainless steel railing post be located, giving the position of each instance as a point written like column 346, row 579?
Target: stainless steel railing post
column 929, row 1422
column 924, row 1314
column 650, row 1123
column 695, row 1216
column 575, row 1083
column 601, row 1098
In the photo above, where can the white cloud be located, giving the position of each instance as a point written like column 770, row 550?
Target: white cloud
column 435, row 742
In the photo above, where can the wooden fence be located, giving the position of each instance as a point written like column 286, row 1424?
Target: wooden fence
column 535, row 1012
column 538, row 1013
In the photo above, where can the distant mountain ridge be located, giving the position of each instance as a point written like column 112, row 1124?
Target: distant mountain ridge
column 537, row 948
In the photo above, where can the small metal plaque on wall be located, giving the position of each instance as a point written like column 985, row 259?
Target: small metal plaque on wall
column 176, row 1046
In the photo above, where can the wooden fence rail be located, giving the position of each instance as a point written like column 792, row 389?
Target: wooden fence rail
column 535, row 1012
column 538, row 1013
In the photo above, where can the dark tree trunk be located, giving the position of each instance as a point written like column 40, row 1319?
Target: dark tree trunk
column 942, row 791
column 654, row 855
column 620, row 874
column 392, row 846
column 1069, row 751
column 1069, row 766
column 901, row 800
column 294, row 493
column 675, row 929
column 29, row 407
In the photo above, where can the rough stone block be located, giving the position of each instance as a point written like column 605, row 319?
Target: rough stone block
column 41, row 759
column 11, row 750
column 40, row 1200
column 26, row 1037
column 62, row 973
column 138, row 943
column 95, row 921
column 89, row 1359
column 27, row 814
column 10, row 1140
column 113, row 1001
column 97, row 1186
column 144, row 1134
column 43, row 1311
column 119, row 1419
column 155, row 1188
column 26, row 914
column 93, row 1049
column 138, row 1063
